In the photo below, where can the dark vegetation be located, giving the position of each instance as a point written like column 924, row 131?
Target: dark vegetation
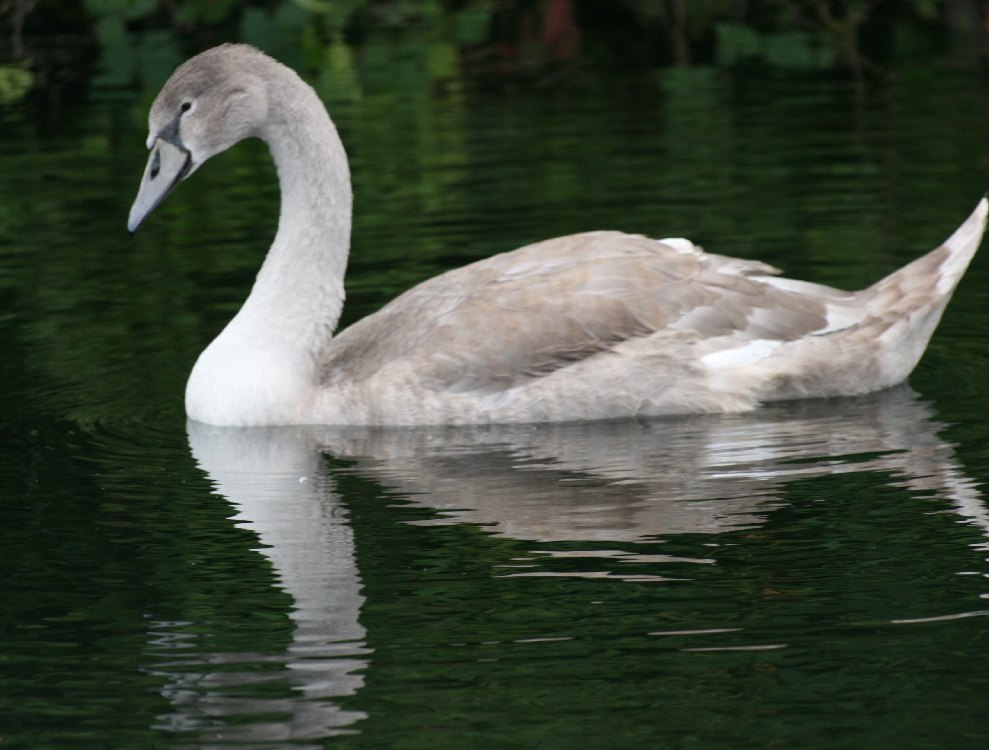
column 129, row 42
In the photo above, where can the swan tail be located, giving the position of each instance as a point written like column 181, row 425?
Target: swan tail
column 962, row 246
column 903, row 309
column 930, row 280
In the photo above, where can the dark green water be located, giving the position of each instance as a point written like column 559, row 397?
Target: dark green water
column 809, row 576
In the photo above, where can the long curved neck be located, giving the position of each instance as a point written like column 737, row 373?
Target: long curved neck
column 298, row 294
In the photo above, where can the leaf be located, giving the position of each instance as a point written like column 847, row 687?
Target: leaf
column 735, row 43
column 926, row 8
column 797, row 49
column 15, row 82
column 473, row 23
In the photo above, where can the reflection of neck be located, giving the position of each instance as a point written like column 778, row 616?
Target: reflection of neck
column 274, row 479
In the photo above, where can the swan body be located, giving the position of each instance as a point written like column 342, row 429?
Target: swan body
column 589, row 326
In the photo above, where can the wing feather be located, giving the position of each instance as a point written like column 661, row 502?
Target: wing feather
column 523, row 315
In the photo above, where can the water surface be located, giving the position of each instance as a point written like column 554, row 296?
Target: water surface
column 809, row 575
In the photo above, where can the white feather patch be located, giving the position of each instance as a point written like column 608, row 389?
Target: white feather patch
column 752, row 352
column 838, row 319
column 681, row 245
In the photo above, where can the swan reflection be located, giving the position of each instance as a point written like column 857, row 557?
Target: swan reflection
column 600, row 483
column 279, row 490
column 630, row 482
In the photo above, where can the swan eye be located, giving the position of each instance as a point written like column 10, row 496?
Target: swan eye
column 186, row 106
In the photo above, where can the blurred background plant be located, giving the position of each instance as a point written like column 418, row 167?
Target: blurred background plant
column 140, row 41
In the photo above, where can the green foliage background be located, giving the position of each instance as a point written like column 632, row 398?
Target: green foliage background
column 140, row 41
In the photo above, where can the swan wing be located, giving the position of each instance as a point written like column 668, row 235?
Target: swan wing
column 520, row 316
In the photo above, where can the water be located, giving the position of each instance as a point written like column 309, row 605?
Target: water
column 811, row 575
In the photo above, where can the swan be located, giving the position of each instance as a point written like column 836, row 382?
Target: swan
column 589, row 326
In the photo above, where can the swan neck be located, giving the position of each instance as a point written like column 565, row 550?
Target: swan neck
column 303, row 273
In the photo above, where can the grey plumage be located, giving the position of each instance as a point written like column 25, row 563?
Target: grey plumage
column 590, row 326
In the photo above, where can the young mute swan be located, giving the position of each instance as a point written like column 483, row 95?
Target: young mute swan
column 590, row 326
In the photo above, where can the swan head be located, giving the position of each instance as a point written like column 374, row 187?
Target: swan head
column 211, row 102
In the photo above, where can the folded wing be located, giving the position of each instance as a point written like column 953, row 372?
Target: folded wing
column 520, row 316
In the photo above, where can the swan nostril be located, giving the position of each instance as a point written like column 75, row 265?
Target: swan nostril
column 156, row 164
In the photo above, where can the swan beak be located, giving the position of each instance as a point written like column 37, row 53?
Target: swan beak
column 167, row 165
